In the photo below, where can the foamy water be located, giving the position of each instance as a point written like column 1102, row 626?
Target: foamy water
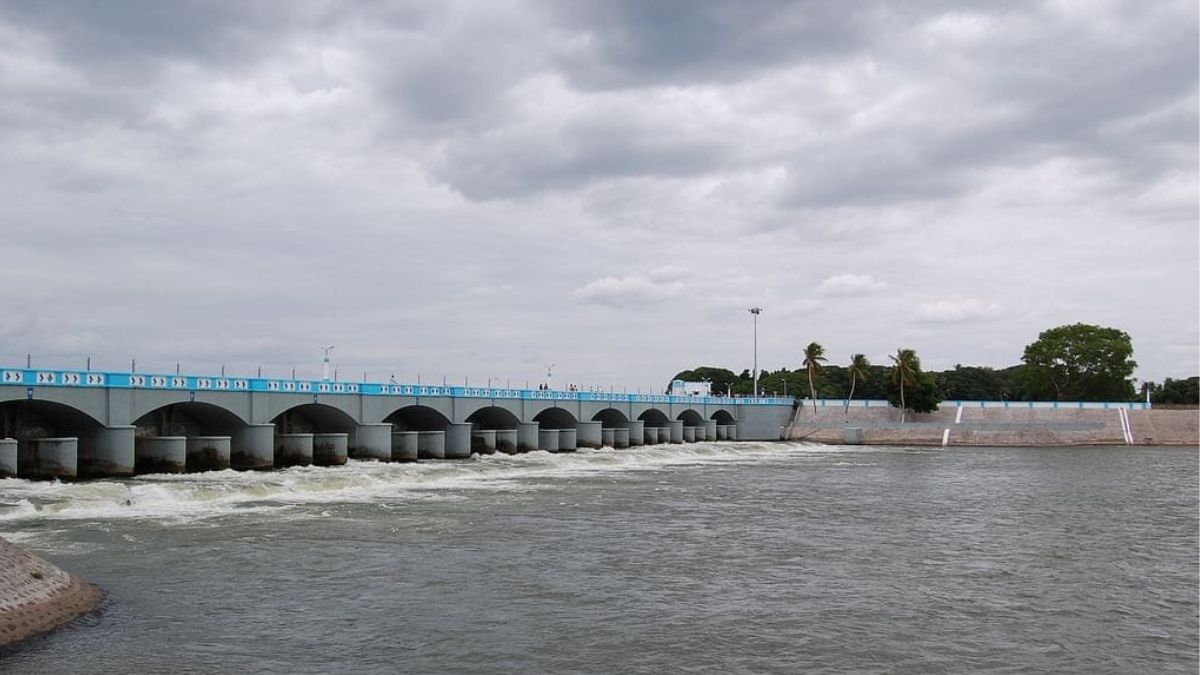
column 191, row 497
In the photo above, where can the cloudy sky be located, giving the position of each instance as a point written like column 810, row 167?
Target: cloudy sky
column 477, row 189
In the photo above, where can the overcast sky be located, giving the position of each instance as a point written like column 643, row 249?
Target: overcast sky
column 478, row 189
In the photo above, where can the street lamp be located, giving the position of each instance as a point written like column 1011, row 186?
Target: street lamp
column 326, row 361
column 755, row 311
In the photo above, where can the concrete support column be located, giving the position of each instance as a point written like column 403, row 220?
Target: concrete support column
column 739, row 431
column 722, row 432
column 689, row 434
column 293, row 450
column 733, row 432
column 589, row 434
column 160, row 454
column 621, row 438
column 710, row 430
column 207, row 453
column 458, row 440
column 651, row 435
column 548, row 440
column 431, row 444
column 109, row 454
column 253, row 447
column 404, row 446
column 568, row 440
column 676, row 432
column 331, row 449
column 372, row 441
column 506, row 441
column 637, row 433
column 483, row 441
column 527, row 437
column 608, row 437
column 8, row 458
column 50, row 458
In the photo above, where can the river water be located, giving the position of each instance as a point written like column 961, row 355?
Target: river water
column 743, row 557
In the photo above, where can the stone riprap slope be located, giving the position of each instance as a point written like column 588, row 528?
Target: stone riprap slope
column 36, row 596
column 1014, row 426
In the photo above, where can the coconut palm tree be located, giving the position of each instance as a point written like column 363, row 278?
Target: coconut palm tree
column 814, row 356
column 858, row 370
column 905, row 366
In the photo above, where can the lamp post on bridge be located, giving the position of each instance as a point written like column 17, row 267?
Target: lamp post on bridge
column 755, row 311
column 325, row 362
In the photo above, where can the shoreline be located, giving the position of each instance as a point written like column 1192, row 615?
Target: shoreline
column 37, row 597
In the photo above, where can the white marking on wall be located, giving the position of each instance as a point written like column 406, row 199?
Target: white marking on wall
column 1126, row 429
column 957, row 417
column 946, row 435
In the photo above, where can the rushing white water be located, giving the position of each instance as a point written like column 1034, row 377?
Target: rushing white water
column 191, row 497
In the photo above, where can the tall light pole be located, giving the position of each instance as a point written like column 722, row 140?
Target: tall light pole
column 550, row 375
column 325, row 361
column 755, row 311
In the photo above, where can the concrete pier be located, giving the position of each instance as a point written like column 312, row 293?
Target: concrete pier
column 676, row 432
column 567, row 440
column 431, row 444
column 689, row 434
column 252, row 448
column 527, row 437
column 733, row 432
column 637, row 433
column 331, row 449
column 621, row 438
column 722, row 432
column 458, row 441
column 208, row 453
column 589, row 434
column 8, row 458
column 710, row 430
column 293, row 450
column 506, row 441
column 609, row 437
column 483, row 441
column 109, row 454
column 371, row 441
column 404, row 446
column 650, row 435
column 548, row 440
column 160, row 454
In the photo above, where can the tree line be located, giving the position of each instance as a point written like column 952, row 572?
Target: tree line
column 1077, row 362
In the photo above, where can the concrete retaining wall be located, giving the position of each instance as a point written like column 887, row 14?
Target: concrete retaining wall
column 968, row 426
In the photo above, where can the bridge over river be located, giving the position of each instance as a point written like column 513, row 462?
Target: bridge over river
column 67, row 424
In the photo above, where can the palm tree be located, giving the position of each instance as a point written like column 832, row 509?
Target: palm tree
column 814, row 356
column 905, row 366
column 859, row 368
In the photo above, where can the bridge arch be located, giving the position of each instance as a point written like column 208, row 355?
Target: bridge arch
column 190, row 419
column 654, row 417
column 555, row 418
column 314, row 417
column 417, row 418
column 691, row 418
column 493, row 417
column 723, row 417
column 611, row 418
column 26, row 419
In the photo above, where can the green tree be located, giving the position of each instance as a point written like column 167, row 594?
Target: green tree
column 814, row 356
column 1177, row 392
column 1080, row 362
column 905, row 368
column 922, row 395
column 860, row 369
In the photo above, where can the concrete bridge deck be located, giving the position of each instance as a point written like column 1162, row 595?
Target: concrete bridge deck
column 66, row 424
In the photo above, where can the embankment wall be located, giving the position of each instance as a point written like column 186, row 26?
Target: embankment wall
column 996, row 426
column 36, row 596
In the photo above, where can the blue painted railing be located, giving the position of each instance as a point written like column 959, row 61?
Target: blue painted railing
column 74, row 378
column 1081, row 405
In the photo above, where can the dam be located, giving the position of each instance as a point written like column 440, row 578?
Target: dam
column 62, row 424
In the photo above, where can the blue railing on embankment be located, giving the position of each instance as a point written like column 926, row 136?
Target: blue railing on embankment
column 92, row 379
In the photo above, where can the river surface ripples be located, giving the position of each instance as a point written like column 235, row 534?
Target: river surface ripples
column 700, row 558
